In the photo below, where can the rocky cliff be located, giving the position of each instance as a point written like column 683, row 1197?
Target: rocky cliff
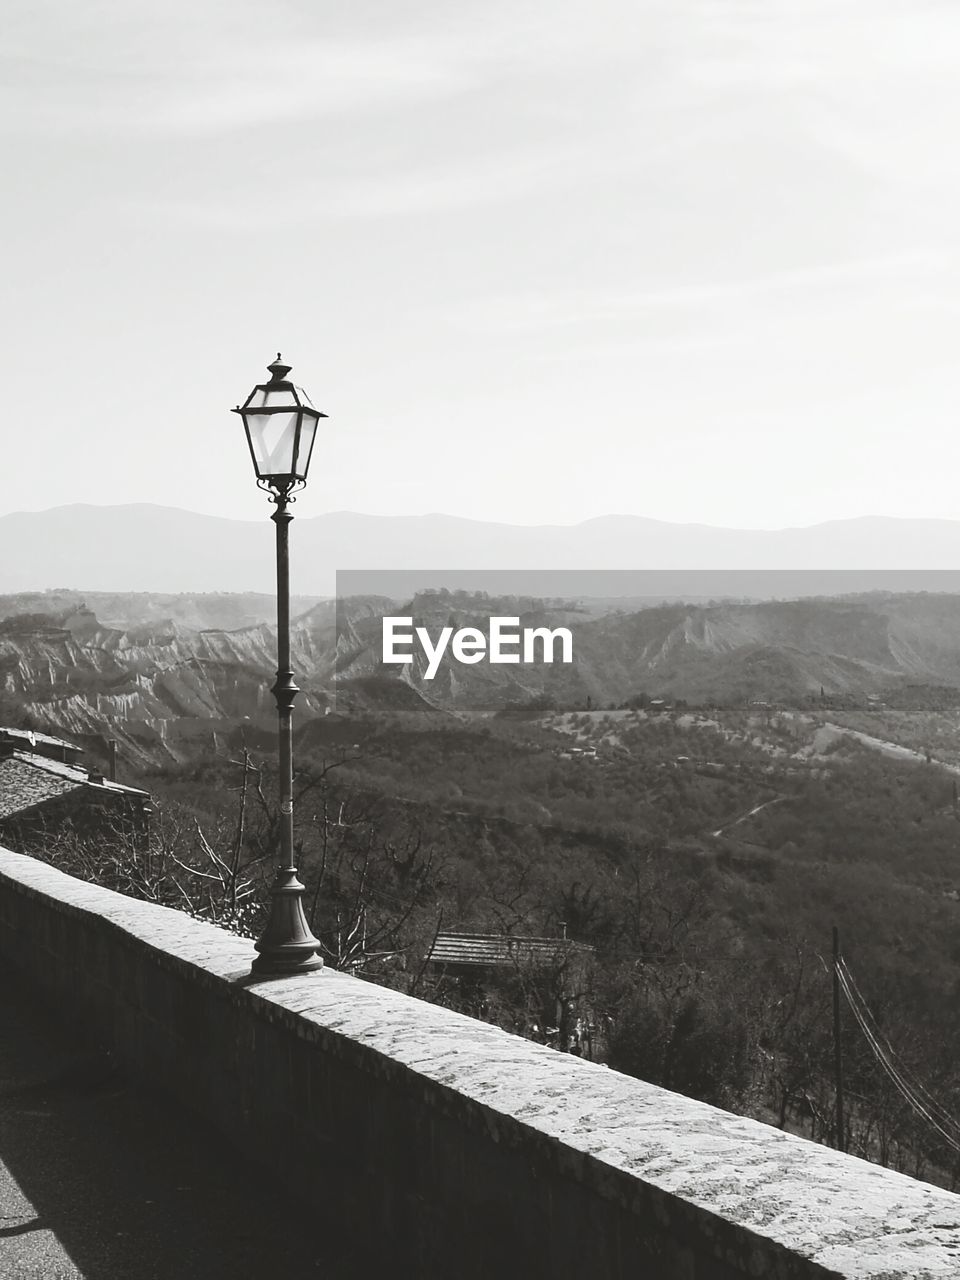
column 165, row 689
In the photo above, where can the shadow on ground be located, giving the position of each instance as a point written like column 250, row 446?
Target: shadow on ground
column 103, row 1179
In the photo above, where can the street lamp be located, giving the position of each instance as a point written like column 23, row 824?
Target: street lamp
column 281, row 425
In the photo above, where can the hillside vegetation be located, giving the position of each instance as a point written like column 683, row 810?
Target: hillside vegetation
column 702, row 846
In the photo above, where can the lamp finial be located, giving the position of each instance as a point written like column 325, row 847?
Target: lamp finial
column 278, row 369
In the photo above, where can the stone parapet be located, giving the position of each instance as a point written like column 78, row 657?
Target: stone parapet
column 449, row 1148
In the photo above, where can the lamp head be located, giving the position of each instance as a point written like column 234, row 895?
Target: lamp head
column 280, row 422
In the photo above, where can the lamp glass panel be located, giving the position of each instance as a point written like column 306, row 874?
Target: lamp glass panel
column 272, row 438
column 267, row 397
column 307, row 433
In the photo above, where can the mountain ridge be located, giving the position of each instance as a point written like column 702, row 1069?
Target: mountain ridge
column 149, row 547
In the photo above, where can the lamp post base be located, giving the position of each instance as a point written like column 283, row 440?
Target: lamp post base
column 284, row 966
column 286, row 946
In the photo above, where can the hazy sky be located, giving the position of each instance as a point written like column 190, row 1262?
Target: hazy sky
column 539, row 260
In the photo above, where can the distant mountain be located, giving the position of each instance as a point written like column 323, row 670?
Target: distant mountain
column 162, row 549
column 165, row 689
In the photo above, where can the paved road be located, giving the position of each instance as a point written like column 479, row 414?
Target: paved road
column 101, row 1179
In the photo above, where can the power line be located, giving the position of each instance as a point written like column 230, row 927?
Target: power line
column 911, row 1090
column 916, row 1086
column 877, row 1036
column 902, row 1087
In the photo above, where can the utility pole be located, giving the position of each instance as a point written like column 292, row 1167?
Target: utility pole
column 837, row 1048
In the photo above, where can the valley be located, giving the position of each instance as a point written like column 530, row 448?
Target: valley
column 697, row 798
column 167, row 676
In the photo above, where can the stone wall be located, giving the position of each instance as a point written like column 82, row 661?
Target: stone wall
column 445, row 1146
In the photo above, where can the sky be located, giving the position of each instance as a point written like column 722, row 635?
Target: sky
column 539, row 260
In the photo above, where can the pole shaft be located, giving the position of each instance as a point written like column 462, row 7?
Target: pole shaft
column 285, row 690
column 286, row 945
column 837, row 1045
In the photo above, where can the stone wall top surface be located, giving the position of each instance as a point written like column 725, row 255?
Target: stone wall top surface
column 851, row 1217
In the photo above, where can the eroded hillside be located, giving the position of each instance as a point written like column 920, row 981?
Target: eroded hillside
column 166, row 686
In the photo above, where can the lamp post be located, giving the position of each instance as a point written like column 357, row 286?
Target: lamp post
column 281, row 425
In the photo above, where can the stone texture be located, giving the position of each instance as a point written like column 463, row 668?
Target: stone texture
column 447, row 1138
